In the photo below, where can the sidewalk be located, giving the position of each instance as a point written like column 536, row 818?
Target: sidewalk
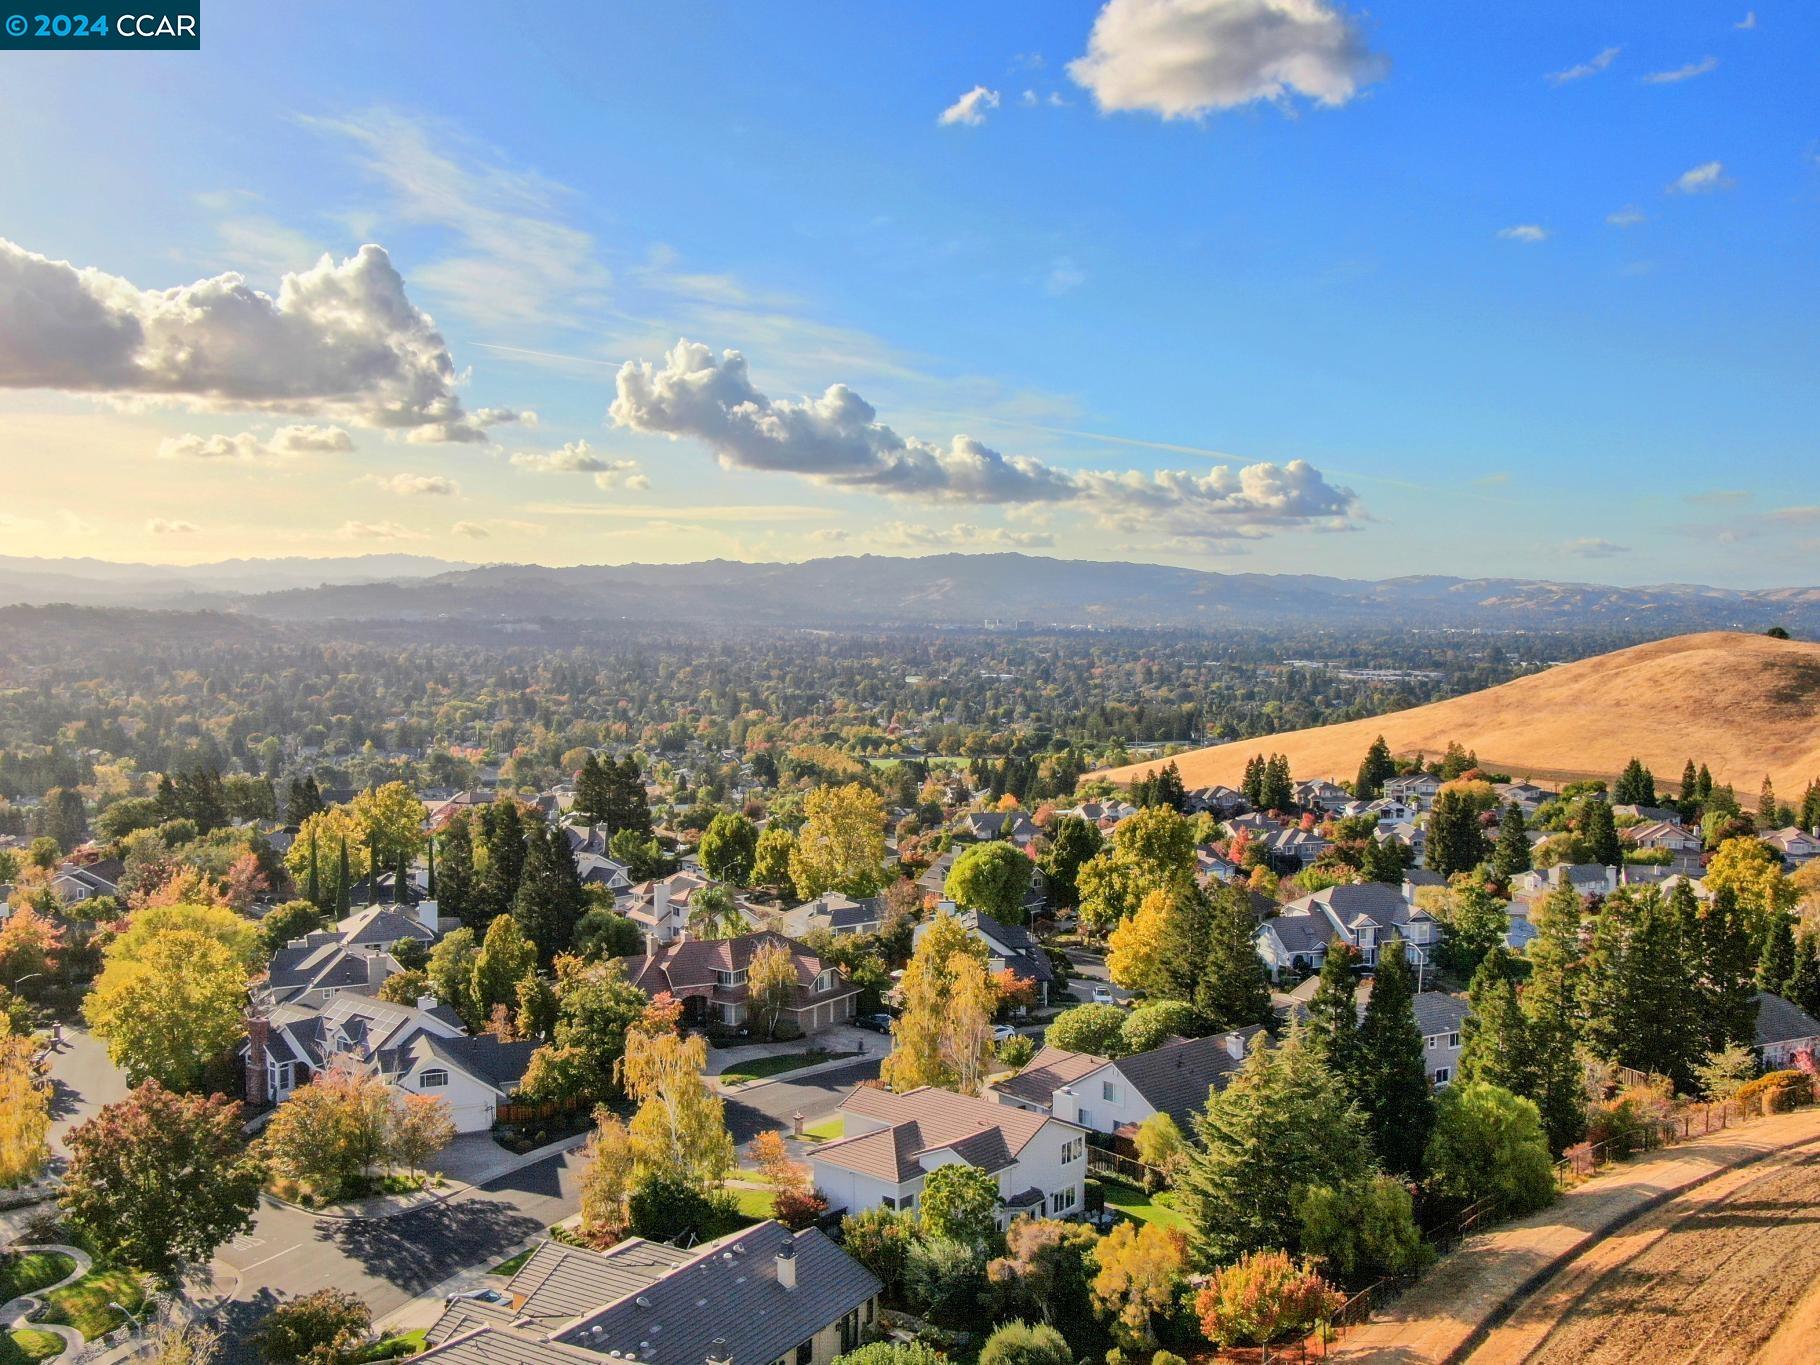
column 1450, row 1311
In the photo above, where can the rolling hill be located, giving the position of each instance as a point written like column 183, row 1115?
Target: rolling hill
column 1745, row 705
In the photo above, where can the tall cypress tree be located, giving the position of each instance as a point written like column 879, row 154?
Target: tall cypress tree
column 313, row 886
column 1638, row 993
column 502, row 828
column 1601, row 832
column 1392, row 1072
column 1333, row 1013
column 1494, row 1040
column 1374, row 768
column 1804, row 981
column 344, row 884
column 401, row 880
column 457, row 898
column 1456, row 843
column 1233, row 990
column 1552, row 1018
column 548, row 901
column 1511, row 855
column 429, row 882
column 1382, row 861
column 1776, row 967
column 1727, row 980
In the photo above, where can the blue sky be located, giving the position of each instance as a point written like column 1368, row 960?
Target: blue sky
column 1529, row 291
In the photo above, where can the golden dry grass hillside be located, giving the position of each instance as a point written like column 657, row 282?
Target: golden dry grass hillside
column 1745, row 705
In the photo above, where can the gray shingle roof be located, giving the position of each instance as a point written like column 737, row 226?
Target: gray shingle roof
column 1175, row 1078
column 1783, row 1021
column 1049, row 1070
column 925, row 1120
column 1439, row 1012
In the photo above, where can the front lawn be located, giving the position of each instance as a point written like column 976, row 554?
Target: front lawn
column 1146, row 1208
column 84, row 1304
column 753, row 1204
column 759, row 1068
column 391, row 1348
column 830, row 1129
column 512, row 1264
column 29, row 1271
column 28, row 1344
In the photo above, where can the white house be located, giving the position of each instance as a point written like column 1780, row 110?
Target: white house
column 1784, row 1029
column 1795, row 844
column 1418, row 789
column 416, row 1049
column 893, row 1142
column 1362, row 915
column 1116, row 1095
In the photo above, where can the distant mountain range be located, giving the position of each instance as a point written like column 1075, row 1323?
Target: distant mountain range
column 869, row 590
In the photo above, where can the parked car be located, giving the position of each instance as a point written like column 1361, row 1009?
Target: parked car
column 1102, row 995
column 477, row 1296
column 878, row 1023
column 1000, row 1032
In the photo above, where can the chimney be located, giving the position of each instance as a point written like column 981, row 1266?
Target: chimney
column 258, row 1033
column 426, row 1002
column 429, row 916
column 1409, row 893
column 1235, row 1046
column 376, row 970
column 786, row 1266
column 650, row 944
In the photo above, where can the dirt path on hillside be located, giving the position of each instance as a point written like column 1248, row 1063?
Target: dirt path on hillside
column 1712, row 1285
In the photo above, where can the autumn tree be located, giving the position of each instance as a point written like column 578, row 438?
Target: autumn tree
column 841, row 845
column 771, row 858
column 500, row 963
column 417, row 1128
column 158, row 1179
column 771, row 983
column 943, row 1037
column 680, row 1128
column 451, row 975
column 170, row 1008
column 29, row 942
column 25, row 1110
column 607, row 1180
column 1150, row 850
column 1263, row 1297
column 1139, row 1269
column 326, row 1327
column 330, row 1131
column 391, row 821
column 596, row 1009
column 315, row 857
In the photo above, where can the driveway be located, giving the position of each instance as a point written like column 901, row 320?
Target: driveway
column 1089, row 971
column 83, row 1079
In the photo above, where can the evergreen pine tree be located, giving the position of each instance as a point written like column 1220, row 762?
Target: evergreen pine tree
column 1184, row 947
column 548, row 901
column 1511, row 855
column 1727, row 966
column 373, row 870
column 594, row 791
column 1551, row 1016
column 1253, row 782
column 1494, row 1040
column 1374, row 768
column 1279, row 786
column 401, row 880
column 458, row 898
column 1233, row 990
column 429, row 879
column 1810, row 807
column 1382, row 861
column 1776, row 967
column 1766, row 806
column 1601, row 832
column 1804, row 981
column 1638, row 992
column 344, row 885
column 1333, row 1015
column 502, row 828
column 1690, row 789
column 1392, row 1073
column 313, row 885
column 1705, row 783
column 1456, row 843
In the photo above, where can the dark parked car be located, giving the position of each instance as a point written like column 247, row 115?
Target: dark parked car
column 878, row 1023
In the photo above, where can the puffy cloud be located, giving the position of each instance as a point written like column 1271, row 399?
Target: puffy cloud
column 1189, row 58
column 378, row 530
column 1628, row 216
column 836, row 440
column 1524, row 232
column 1584, row 69
column 420, row 485
column 1064, row 276
column 1701, row 179
column 1749, row 21
column 249, row 446
column 1682, row 73
column 970, row 109
column 1592, row 547
column 160, row 526
column 341, row 340
column 577, row 457
column 903, row 533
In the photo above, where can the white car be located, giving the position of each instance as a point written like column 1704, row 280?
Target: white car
column 1000, row 1032
column 1102, row 995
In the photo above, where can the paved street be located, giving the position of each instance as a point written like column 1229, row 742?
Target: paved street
column 1090, row 971
column 82, row 1081
column 770, row 1106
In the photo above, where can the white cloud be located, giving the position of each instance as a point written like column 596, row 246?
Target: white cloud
column 378, row 530
column 340, row 340
column 159, row 526
column 577, row 457
column 1702, row 179
column 1682, row 73
column 473, row 530
column 836, row 440
column 908, row 534
column 1592, row 547
column 830, row 535
column 1524, row 232
column 249, row 446
column 970, row 109
column 1029, row 99
column 1628, row 216
column 420, row 485
column 1584, row 69
column 1190, row 58
column 1749, row 20
column 1064, row 275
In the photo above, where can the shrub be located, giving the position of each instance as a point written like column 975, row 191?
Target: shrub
column 1021, row 1343
column 1262, row 1298
column 880, row 1239
column 1095, row 1029
column 893, row 1353
column 1488, row 1144
column 1016, row 1051
column 665, row 1207
column 1152, row 1025
column 326, row 1325
column 797, row 1209
column 1363, row 1230
column 1775, row 1091
column 943, row 1279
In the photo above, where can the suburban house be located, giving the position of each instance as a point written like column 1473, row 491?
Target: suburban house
column 1784, row 1030
column 660, row 908
column 892, row 1142
column 415, row 1049
column 1293, row 846
column 353, row 957
column 709, row 976
column 983, row 826
column 1795, row 844
column 1418, row 789
column 1218, row 801
column 776, row 1295
column 1589, row 879
column 1391, row 811
column 1525, row 796
column 1440, row 1019
column 834, row 912
column 1008, row 947
column 1363, row 915
column 1320, row 794
column 1669, row 834
column 74, row 881
column 1115, row 1096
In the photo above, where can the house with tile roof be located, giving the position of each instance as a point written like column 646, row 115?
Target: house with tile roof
column 893, row 1142
column 1116, row 1095
column 709, row 976
column 1796, row 845
column 420, row 1049
column 661, row 908
column 761, row 1295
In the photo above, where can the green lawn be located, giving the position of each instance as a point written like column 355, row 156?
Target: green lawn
column 825, row 1130
column 84, row 1304
column 1134, row 1203
column 391, row 1348
column 28, row 1344
column 30, row 1271
column 753, row 1204
column 761, row 1067
column 512, row 1264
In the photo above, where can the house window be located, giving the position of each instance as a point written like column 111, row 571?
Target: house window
column 1062, row 1200
column 1073, row 1149
column 1453, row 1040
column 1433, row 1040
column 849, row 1331
column 1443, row 1075
column 805, row 1354
column 433, row 1079
column 1109, row 1092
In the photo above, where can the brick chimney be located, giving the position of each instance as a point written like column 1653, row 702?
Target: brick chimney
column 258, row 1033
